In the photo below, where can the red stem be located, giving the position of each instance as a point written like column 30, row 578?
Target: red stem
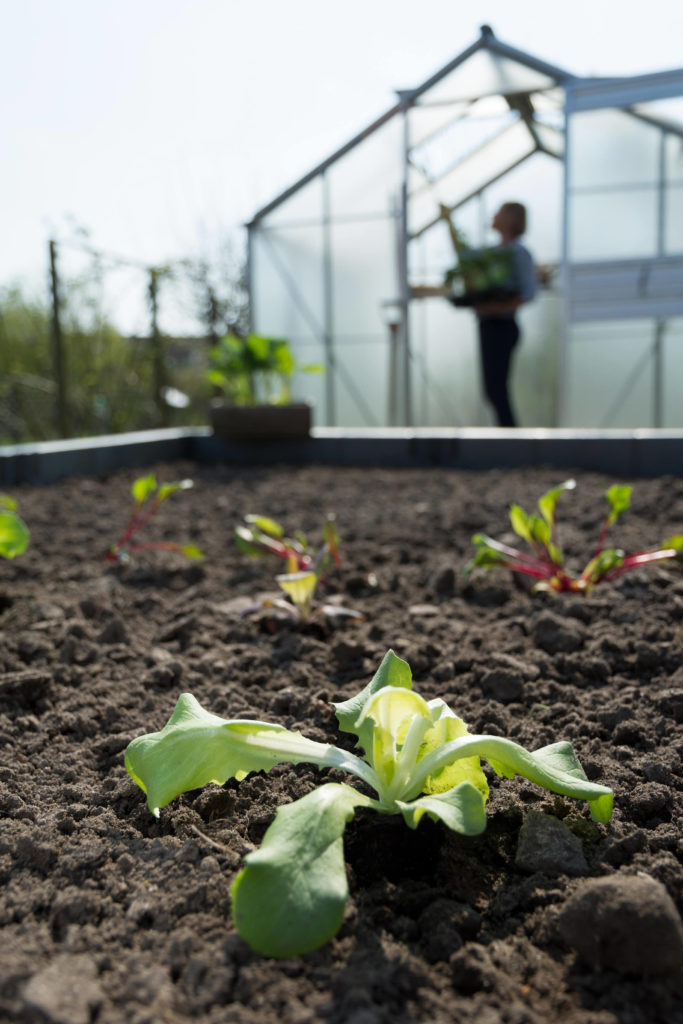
column 638, row 559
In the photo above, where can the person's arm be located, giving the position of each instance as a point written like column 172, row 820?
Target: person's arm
column 445, row 214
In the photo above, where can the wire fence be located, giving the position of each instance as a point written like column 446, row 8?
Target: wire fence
column 118, row 344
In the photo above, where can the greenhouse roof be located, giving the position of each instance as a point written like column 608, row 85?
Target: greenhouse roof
column 487, row 80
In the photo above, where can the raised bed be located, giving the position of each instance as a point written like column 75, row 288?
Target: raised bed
column 109, row 915
column 633, row 453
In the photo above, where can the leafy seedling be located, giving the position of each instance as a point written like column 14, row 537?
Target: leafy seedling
column 417, row 756
column 148, row 496
column 14, row 534
column 546, row 563
column 260, row 536
column 305, row 569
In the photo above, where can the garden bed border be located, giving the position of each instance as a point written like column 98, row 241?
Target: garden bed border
column 622, row 453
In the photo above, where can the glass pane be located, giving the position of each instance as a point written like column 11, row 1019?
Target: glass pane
column 674, row 220
column 427, row 121
column 445, row 383
column 364, row 276
column 610, row 147
column 310, row 387
column 361, row 380
column 304, row 206
column 610, row 374
column 488, row 163
column 485, row 74
column 672, row 374
column 674, row 158
column 287, row 282
column 615, row 225
column 368, row 179
column 456, row 142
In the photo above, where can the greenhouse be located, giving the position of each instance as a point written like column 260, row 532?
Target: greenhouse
column 336, row 262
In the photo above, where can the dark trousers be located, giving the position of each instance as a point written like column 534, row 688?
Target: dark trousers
column 497, row 339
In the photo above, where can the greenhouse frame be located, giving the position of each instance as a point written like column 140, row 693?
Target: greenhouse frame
column 336, row 262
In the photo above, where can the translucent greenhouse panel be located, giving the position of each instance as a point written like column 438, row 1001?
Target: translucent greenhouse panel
column 673, row 228
column 613, row 225
column 367, row 180
column 611, row 148
column 311, row 387
column 486, row 74
column 305, row 206
column 287, row 282
column 534, row 375
column 444, row 368
column 364, row 262
column 456, row 142
column 610, row 374
column 426, row 121
column 674, row 159
column 673, row 374
column 362, row 380
column 493, row 160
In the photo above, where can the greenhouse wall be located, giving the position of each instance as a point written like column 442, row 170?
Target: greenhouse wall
column 340, row 257
column 621, row 357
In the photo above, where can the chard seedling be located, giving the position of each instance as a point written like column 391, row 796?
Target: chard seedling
column 417, row 756
column 260, row 536
column 546, row 563
column 305, row 568
column 14, row 534
column 148, row 496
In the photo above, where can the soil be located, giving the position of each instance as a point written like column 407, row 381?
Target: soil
column 110, row 915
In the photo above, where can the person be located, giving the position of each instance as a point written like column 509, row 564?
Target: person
column 498, row 328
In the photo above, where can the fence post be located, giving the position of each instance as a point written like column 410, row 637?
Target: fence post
column 58, row 356
column 158, row 368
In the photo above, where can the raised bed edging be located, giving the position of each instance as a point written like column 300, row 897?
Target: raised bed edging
column 626, row 453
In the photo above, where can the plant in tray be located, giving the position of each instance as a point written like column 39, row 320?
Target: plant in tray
column 546, row 562
column 417, row 756
column 148, row 496
column 14, row 534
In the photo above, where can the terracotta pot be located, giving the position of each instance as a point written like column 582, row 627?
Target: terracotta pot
column 260, row 422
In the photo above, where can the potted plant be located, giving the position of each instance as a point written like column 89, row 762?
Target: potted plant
column 254, row 374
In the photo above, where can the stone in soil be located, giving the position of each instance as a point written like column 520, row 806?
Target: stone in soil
column 625, row 922
column 547, row 845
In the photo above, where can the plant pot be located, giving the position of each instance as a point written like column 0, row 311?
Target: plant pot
column 260, row 422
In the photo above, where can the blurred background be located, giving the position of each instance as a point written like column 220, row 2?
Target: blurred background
column 140, row 140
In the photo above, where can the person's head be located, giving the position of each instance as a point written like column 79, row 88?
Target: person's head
column 510, row 220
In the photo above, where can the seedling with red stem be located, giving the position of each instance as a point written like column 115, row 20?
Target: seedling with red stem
column 546, row 563
column 148, row 496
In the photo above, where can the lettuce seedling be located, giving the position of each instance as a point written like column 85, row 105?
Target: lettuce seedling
column 14, row 534
column 417, row 756
column 546, row 563
column 148, row 496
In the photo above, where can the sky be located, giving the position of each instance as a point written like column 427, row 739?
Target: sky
column 160, row 126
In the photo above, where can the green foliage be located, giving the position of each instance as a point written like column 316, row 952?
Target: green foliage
column 417, row 756
column 254, row 369
column 14, row 534
column 546, row 564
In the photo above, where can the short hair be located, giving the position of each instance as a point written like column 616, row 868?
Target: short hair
column 517, row 215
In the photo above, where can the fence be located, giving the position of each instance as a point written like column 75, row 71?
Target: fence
column 118, row 345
